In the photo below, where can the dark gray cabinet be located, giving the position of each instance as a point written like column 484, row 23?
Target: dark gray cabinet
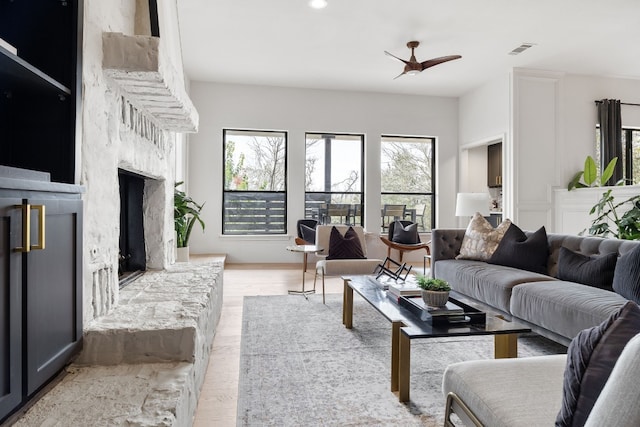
column 10, row 306
column 494, row 165
column 41, row 294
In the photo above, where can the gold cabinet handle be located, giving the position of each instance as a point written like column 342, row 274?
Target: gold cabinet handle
column 41, row 227
column 26, row 228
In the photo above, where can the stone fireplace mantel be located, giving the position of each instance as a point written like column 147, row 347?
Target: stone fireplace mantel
column 135, row 65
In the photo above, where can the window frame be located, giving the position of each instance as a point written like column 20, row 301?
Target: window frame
column 284, row 192
column 432, row 194
column 329, row 194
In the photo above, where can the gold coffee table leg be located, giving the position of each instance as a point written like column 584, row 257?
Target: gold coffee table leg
column 395, row 354
column 505, row 346
column 404, row 368
column 347, row 306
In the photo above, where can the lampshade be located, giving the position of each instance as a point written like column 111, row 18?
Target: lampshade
column 467, row 204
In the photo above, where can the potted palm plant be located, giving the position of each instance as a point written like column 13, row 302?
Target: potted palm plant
column 185, row 214
column 435, row 292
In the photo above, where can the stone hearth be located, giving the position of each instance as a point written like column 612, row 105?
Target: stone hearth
column 144, row 363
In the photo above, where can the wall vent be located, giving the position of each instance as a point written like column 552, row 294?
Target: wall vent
column 521, row 48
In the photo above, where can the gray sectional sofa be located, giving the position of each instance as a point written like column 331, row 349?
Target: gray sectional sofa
column 553, row 308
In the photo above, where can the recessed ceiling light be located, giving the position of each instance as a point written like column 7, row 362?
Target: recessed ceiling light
column 318, row 4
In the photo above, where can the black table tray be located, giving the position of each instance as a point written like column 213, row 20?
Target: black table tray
column 469, row 314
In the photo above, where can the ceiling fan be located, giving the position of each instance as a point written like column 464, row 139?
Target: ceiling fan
column 412, row 66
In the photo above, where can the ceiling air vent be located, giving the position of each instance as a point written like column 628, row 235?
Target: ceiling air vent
column 521, row 48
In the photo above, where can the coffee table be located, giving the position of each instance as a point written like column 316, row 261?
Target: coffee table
column 405, row 326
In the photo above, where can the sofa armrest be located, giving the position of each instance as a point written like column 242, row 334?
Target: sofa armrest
column 445, row 243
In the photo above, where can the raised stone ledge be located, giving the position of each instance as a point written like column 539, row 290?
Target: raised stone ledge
column 179, row 307
column 163, row 316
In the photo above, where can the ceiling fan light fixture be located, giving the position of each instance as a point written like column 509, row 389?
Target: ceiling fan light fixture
column 318, row 4
column 412, row 72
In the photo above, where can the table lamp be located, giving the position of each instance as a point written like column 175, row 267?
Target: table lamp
column 467, row 204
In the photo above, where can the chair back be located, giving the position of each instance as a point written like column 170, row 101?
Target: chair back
column 311, row 223
column 394, row 210
column 323, row 232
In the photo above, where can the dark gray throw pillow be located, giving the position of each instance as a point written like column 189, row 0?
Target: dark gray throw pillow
column 591, row 357
column 406, row 235
column 626, row 278
column 596, row 271
column 345, row 247
column 517, row 251
column 308, row 234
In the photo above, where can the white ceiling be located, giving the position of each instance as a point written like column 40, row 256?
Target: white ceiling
column 287, row 43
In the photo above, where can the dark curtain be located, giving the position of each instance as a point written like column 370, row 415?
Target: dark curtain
column 610, row 136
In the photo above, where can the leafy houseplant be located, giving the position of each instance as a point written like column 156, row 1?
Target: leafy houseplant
column 435, row 292
column 590, row 175
column 627, row 225
column 185, row 214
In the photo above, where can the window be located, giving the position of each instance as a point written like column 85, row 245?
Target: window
column 630, row 154
column 334, row 178
column 407, row 180
column 255, row 194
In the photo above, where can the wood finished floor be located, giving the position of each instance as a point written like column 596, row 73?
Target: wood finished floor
column 218, row 399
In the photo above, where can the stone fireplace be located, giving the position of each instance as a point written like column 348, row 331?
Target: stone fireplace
column 135, row 113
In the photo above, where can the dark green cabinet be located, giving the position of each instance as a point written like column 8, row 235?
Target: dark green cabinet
column 494, row 165
column 41, row 296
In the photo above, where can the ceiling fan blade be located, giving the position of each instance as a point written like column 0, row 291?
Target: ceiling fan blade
column 435, row 61
column 399, row 75
column 393, row 56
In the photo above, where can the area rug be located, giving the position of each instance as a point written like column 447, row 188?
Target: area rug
column 299, row 366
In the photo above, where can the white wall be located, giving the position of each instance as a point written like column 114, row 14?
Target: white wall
column 484, row 112
column 298, row 111
column 580, row 116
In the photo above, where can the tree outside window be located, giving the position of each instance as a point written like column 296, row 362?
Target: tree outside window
column 254, row 194
column 334, row 178
column 407, row 179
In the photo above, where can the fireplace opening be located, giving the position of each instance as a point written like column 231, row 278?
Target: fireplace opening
column 132, row 259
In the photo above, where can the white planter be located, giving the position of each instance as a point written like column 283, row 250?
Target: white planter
column 182, row 254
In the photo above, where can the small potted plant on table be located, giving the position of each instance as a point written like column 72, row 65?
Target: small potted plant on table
column 435, row 292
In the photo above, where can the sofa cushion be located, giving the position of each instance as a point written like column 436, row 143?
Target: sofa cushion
column 407, row 235
column 345, row 247
column 519, row 251
column 626, row 279
column 481, row 239
column 507, row 392
column 594, row 271
column 491, row 284
column 564, row 308
column 591, row 357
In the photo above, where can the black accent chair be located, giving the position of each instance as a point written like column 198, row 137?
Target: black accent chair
column 311, row 223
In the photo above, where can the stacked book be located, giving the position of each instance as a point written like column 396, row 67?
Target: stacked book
column 403, row 288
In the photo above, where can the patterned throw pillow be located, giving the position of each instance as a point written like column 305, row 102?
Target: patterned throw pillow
column 481, row 239
column 345, row 247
